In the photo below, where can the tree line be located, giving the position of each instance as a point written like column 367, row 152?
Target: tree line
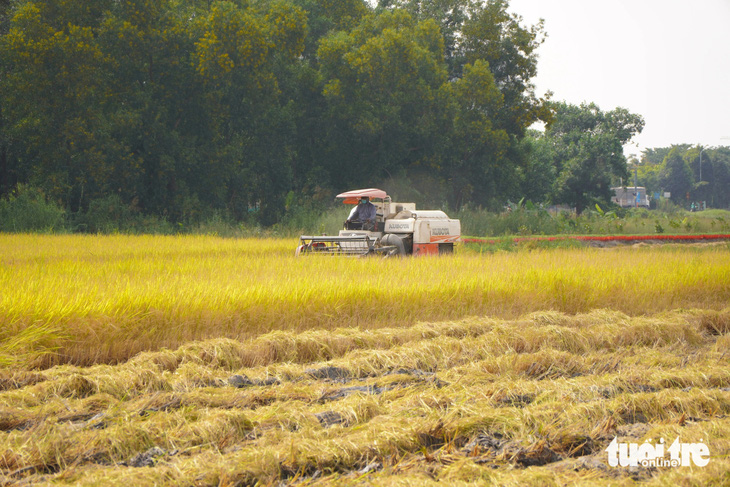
column 688, row 173
column 180, row 107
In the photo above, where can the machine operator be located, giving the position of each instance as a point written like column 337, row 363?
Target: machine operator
column 364, row 213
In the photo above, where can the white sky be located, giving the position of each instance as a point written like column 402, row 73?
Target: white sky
column 668, row 60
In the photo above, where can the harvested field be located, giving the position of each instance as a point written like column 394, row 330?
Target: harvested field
column 530, row 393
column 508, row 401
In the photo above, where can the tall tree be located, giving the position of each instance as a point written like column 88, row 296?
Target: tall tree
column 476, row 169
column 237, row 57
column 676, row 176
column 382, row 87
column 52, row 96
column 589, row 151
column 540, row 172
column 719, row 196
column 485, row 35
column 326, row 16
column 450, row 15
column 302, row 82
column 173, row 105
column 492, row 34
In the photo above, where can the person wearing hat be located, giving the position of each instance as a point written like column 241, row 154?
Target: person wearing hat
column 365, row 213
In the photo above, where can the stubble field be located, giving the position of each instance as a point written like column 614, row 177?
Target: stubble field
column 208, row 361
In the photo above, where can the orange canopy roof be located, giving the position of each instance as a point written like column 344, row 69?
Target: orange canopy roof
column 351, row 197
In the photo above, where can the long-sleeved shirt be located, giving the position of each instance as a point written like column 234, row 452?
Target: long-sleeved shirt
column 364, row 212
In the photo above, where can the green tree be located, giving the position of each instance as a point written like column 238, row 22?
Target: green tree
column 175, row 106
column 719, row 182
column 450, row 15
column 487, row 31
column 540, row 171
column 492, row 34
column 382, row 83
column 486, row 34
column 327, row 16
column 648, row 176
column 245, row 131
column 476, row 169
column 589, row 152
column 5, row 177
column 702, row 172
column 676, row 176
column 51, row 97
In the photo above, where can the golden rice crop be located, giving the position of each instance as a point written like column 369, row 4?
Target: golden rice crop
column 90, row 299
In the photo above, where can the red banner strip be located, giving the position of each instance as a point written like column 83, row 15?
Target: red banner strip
column 604, row 238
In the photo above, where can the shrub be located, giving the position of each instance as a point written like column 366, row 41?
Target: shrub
column 27, row 210
column 107, row 215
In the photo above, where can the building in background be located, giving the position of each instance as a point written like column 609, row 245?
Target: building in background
column 630, row 197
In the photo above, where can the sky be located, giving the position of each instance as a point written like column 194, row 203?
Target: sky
column 667, row 60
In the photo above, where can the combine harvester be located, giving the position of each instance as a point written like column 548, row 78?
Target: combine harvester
column 399, row 229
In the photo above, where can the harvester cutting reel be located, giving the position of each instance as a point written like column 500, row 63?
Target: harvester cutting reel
column 356, row 245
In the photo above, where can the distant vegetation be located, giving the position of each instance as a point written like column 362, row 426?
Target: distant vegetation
column 157, row 116
column 691, row 174
column 179, row 108
column 130, row 114
column 28, row 210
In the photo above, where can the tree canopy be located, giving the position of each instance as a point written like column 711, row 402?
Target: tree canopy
column 679, row 171
column 585, row 145
column 180, row 107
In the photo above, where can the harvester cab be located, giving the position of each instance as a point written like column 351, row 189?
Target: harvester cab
column 399, row 229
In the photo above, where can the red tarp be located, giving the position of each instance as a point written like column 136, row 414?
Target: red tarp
column 607, row 238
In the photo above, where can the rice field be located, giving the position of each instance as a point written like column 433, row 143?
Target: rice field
column 92, row 299
column 199, row 360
